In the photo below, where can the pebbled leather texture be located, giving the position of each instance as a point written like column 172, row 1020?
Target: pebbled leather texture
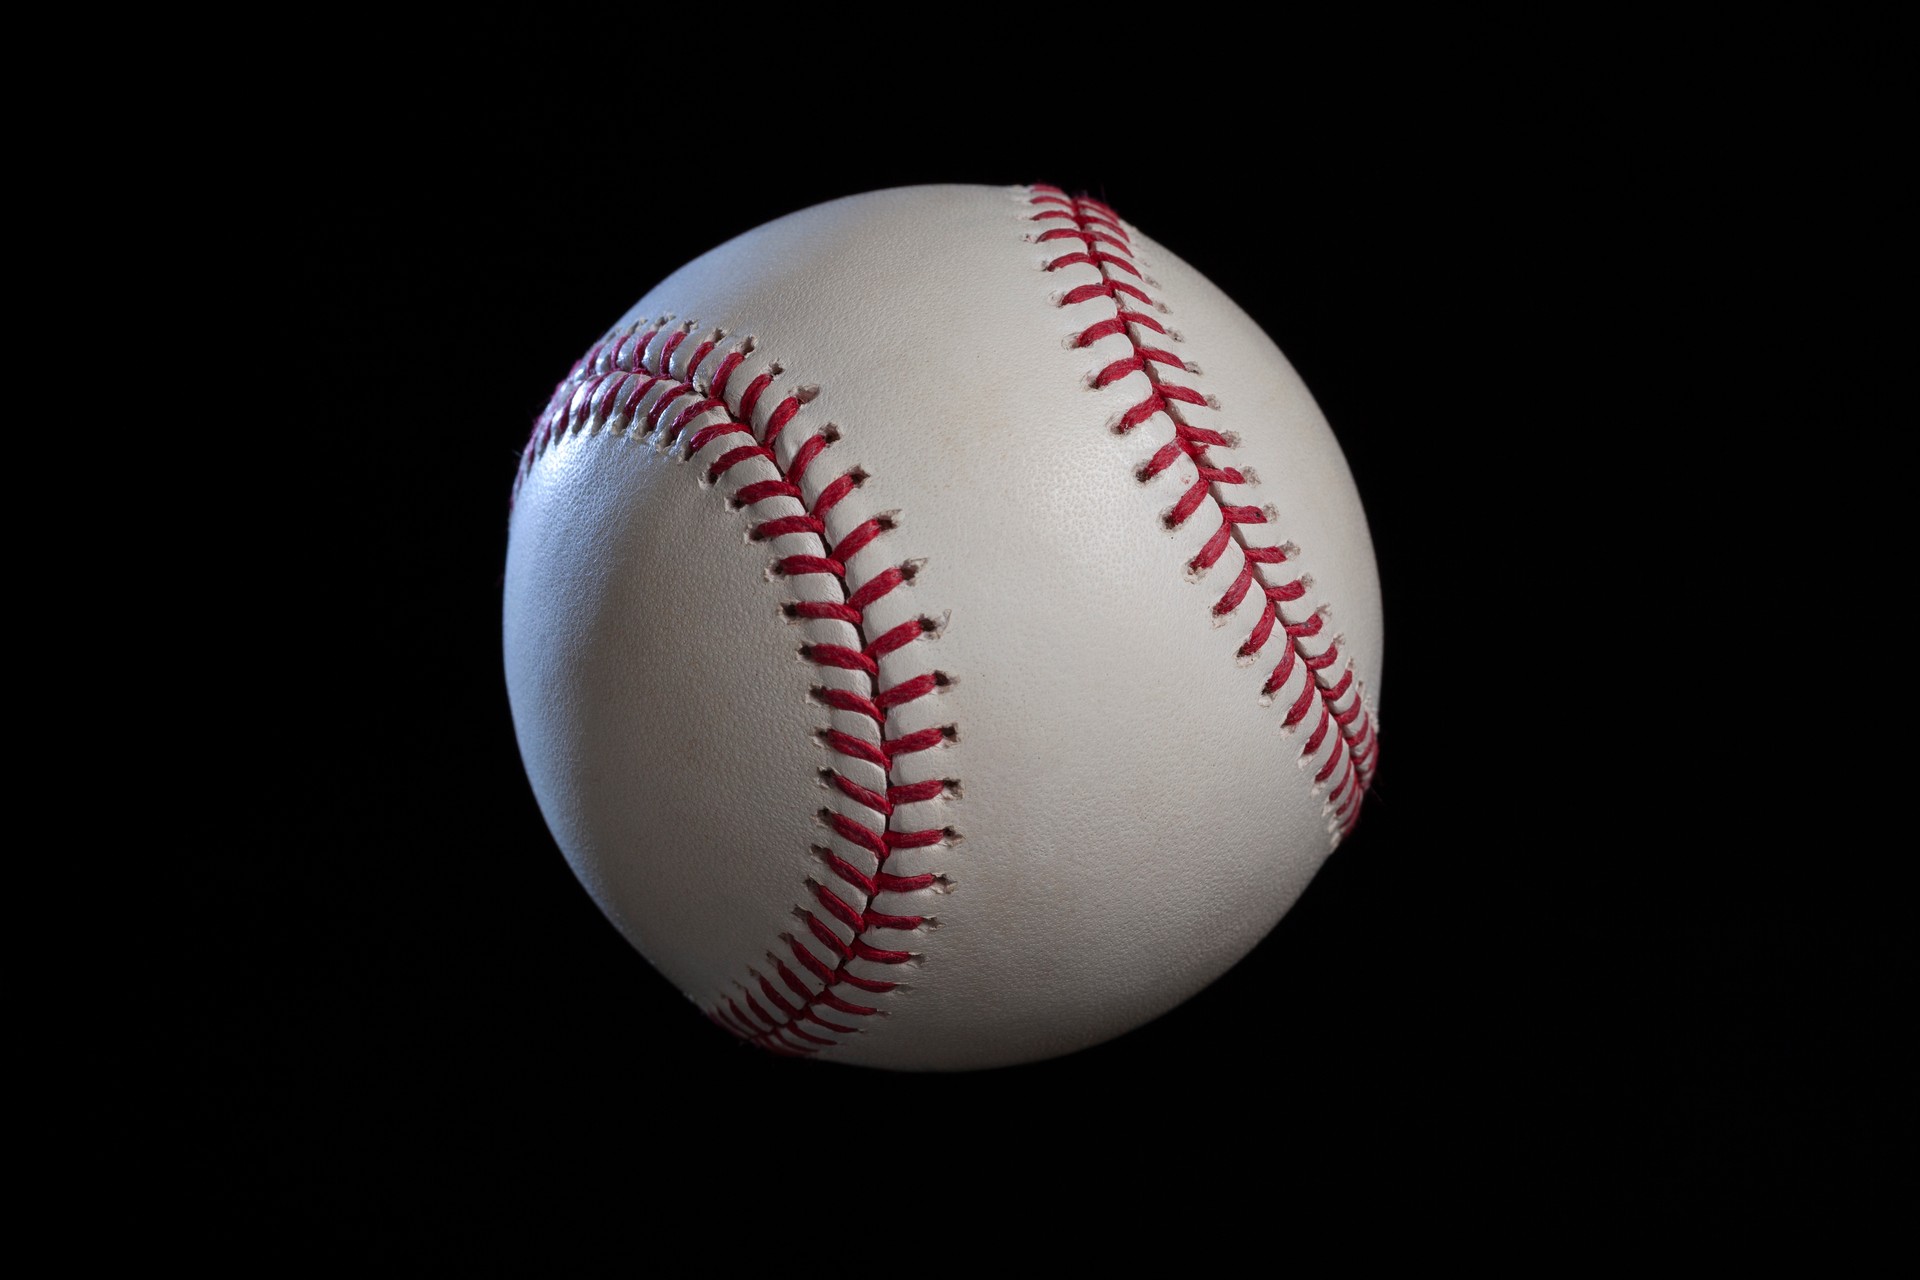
column 1130, row 817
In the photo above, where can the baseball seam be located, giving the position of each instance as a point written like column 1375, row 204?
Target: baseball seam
column 1324, row 677
column 629, row 380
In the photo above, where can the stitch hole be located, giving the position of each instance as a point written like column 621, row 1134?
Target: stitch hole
column 1168, row 522
column 941, row 680
column 951, row 732
column 831, row 434
column 776, row 368
column 1174, row 335
column 1213, row 402
column 910, row 569
column 952, row 786
column 746, row 345
column 1253, row 477
column 806, row 393
column 949, row 836
column 1190, row 366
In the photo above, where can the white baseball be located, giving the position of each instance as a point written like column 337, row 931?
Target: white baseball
column 941, row 629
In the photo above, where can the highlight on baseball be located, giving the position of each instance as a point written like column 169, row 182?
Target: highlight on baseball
column 941, row 629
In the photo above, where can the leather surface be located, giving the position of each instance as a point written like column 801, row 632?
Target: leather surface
column 1132, row 816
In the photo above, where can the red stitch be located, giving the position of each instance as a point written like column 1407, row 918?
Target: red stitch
column 828, row 938
column 780, row 1002
column 862, row 795
column 808, row 961
column 846, row 871
column 907, row 690
column 848, row 745
column 862, row 534
column 767, row 529
column 608, row 386
column 862, row 950
column 844, row 1006
column 1319, row 730
column 761, row 490
column 805, row 454
column 750, row 398
column 877, row 586
column 895, row 638
column 675, row 390
column 758, row 1012
column 688, row 414
column 725, row 371
column 834, row 655
column 1096, row 224
column 1298, row 712
column 834, row 903
column 672, row 345
column 1107, row 289
column 847, row 700
column 791, row 1030
column 876, row 985
column 880, row 920
column 853, row 833
column 795, row 565
column 924, row 740
column 779, row 419
column 824, row 609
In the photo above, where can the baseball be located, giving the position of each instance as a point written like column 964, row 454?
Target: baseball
column 941, row 629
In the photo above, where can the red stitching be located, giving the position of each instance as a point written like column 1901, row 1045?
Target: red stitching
column 608, row 388
column 1105, row 245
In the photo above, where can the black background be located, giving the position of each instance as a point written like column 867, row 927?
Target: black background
column 1546, row 960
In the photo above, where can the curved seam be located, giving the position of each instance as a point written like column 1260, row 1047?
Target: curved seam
column 1107, row 247
column 627, row 383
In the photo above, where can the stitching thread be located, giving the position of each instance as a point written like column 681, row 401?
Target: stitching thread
column 628, row 381
column 1106, row 247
